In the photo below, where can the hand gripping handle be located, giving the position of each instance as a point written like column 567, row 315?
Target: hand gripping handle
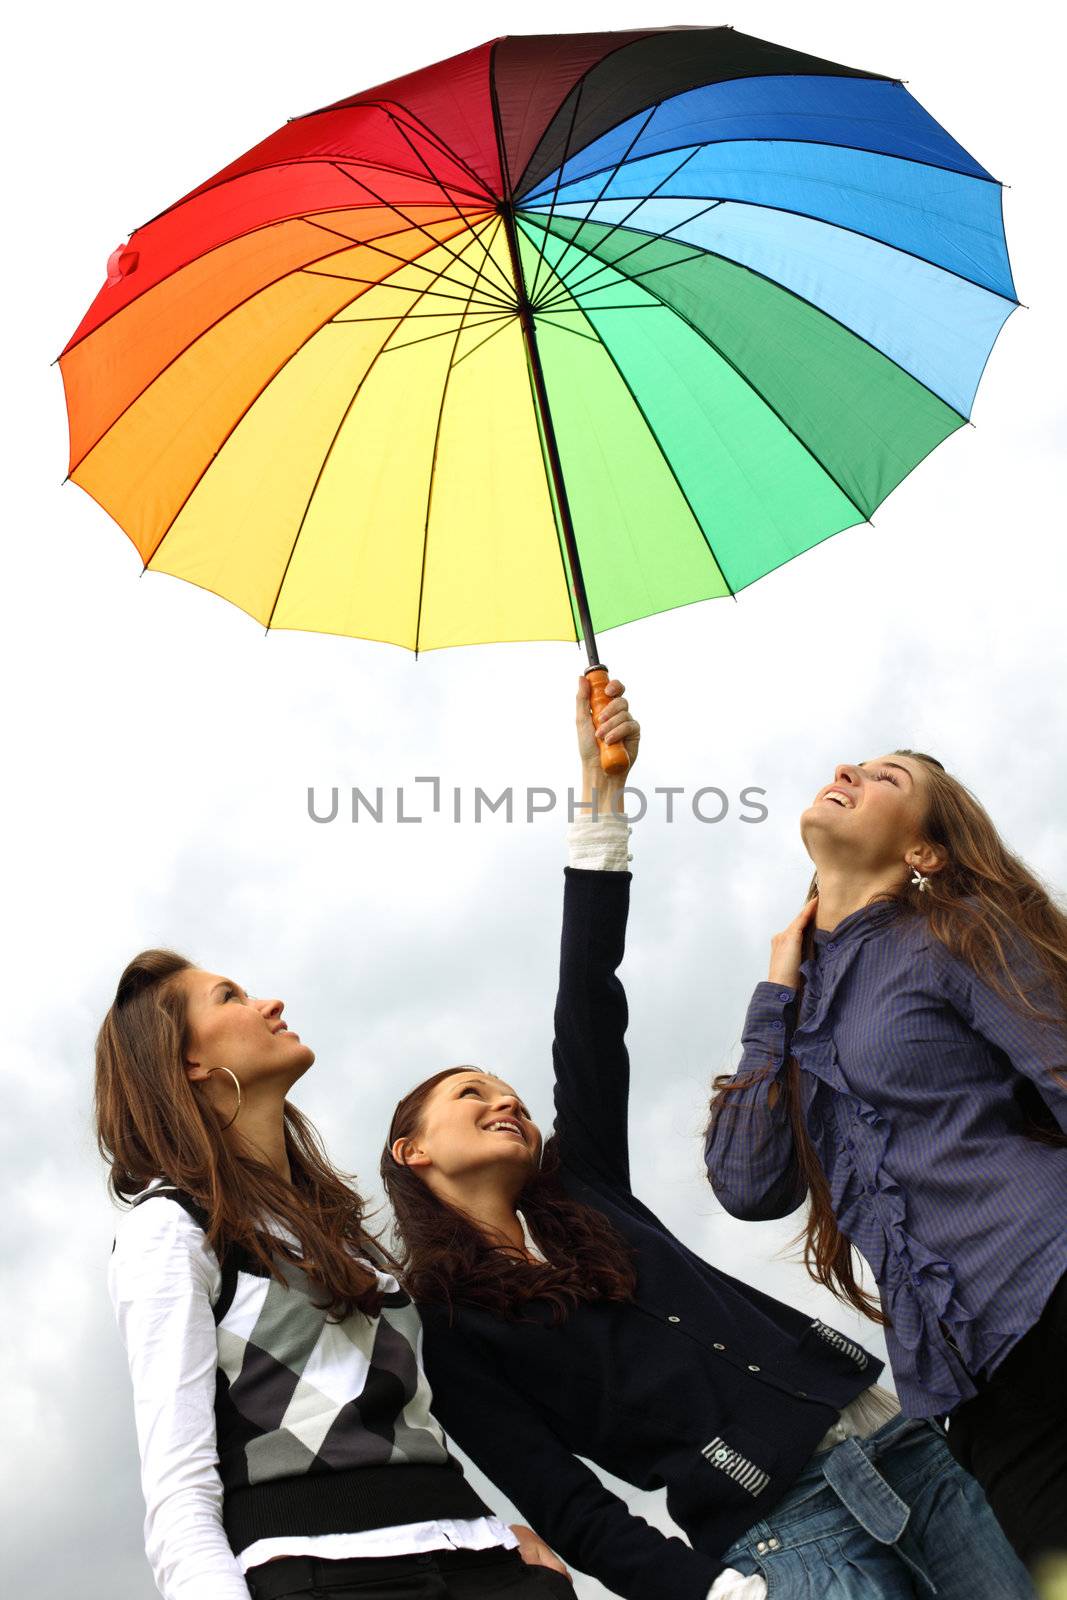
column 613, row 757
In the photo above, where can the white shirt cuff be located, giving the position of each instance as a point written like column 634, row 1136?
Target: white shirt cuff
column 599, row 844
column 733, row 1585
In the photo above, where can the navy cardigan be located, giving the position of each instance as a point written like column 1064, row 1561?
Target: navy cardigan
column 701, row 1383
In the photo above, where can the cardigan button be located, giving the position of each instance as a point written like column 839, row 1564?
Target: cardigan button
column 674, row 1319
column 752, row 1368
column 802, row 1394
column 785, row 995
column 717, row 1346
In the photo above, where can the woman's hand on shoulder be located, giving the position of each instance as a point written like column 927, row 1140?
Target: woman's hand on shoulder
column 787, row 945
column 535, row 1552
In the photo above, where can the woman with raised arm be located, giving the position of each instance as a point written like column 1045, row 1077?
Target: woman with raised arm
column 907, row 1078
column 563, row 1321
column 283, row 1417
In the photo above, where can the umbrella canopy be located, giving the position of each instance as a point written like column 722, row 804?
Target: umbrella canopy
column 560, row 332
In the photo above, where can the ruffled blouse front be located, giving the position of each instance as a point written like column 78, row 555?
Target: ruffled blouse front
column 911, row 1069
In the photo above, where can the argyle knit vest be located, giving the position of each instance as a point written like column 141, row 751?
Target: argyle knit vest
column 322, row 1427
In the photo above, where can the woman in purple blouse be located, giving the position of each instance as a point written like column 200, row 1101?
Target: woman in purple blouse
column 905, row 1072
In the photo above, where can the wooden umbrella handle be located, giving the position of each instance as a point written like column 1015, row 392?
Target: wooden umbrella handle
column 613, row 757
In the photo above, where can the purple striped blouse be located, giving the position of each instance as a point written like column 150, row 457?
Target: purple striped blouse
column 916, row 1079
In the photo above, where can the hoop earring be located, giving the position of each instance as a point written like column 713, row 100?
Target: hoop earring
column 237, row 1086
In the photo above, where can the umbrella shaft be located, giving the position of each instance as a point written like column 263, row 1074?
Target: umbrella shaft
column 555, row 464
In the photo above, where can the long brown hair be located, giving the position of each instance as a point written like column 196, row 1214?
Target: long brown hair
column 447, row 1259
column 991, row 912
column 152, row 1122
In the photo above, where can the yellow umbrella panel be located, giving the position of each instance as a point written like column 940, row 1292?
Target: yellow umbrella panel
column 348, row 456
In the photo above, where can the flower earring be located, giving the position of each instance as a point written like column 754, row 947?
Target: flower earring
column 918, row 881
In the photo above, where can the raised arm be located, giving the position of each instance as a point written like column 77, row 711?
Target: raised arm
column 748, row 1148
column 161, row 1279
column 589, row 1053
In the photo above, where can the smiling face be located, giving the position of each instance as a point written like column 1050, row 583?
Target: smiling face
column 473, row 1124
column 871, row 817
column 226, row 1027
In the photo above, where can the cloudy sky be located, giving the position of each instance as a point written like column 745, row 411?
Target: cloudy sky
column 164, row 746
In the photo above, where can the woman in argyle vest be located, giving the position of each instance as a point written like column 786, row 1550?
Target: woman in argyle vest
column 286, row 1439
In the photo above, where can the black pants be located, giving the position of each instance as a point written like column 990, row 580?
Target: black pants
column 1012, row 1435
column 438, row 1575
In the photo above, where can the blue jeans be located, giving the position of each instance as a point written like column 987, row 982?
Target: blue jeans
column 890, row 1517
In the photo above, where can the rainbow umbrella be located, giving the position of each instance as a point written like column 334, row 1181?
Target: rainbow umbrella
column 560, row 332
